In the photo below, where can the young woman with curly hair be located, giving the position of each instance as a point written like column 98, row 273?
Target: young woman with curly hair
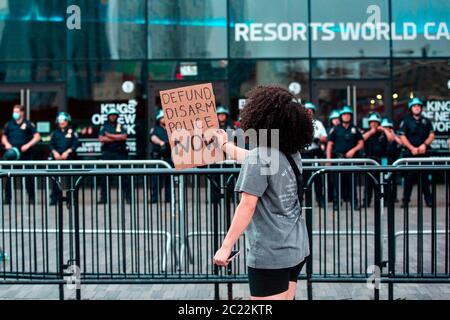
column 270, row 211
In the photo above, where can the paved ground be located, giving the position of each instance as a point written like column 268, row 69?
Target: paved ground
column 240, row 291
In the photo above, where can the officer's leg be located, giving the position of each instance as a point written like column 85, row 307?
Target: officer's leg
column 426, row 188
column 154, row 186
column 126, row 188
column 307, row 173
column 394, row 182
column 54, row 190
column 330, row 190
column 369, row 190
column 167, row 188
column 8, row 186
column 346, row 186
column 29, row 180
column 408, row 184
column 337, row 189
column 319, row 183
column 102, row 179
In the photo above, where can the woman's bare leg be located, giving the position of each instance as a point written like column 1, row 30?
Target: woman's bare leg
column 292, row 290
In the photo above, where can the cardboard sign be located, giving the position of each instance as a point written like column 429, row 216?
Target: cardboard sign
column 190, row 116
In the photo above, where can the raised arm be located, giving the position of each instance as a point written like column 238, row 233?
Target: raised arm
column 234, row 152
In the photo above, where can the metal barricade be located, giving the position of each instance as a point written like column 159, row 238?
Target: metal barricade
column 174, row 242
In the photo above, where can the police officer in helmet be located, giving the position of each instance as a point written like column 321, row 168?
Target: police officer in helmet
column 315, row 151
column 345, row 141
column 376, row 140
column 63, row 145
column 113, row 136
column 64, row 140
column 223, row 115
column 160, row 151
column 393, row 151
column 335, row 119
column 19, row 137
column 416, row 134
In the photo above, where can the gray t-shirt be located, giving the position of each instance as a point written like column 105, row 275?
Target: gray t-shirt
column 276, row 236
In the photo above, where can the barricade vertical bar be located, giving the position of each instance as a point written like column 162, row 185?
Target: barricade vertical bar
column 391, row 233
column 377, row 223
column 216, row 200
column 61, row 265
column 228, row 197
column 309, row 222
column 72, row 199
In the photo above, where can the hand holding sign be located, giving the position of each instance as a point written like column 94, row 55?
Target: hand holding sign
column 191, row 119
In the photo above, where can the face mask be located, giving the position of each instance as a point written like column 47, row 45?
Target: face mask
column 16, row 116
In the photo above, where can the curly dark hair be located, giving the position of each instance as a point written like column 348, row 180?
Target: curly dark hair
column 272, row 107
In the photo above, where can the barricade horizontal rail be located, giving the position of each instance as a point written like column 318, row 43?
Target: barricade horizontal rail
column 160, row 225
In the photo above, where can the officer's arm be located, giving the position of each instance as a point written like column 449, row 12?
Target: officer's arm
column 117, row 137
column 406, row 142
column 323, row 134
column 366, row 135
column 156, row 140
column 430, row 139
column 35, row 140
column 390, row 136
column 330, row 145
column 5, row 141
column 105, row 139
column 397, row 139
column 52, row 147
column 75, row 143
column 359, row 146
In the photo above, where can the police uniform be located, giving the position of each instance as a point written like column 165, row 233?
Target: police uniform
column 116, row 150
column 375, row 147
column 344, row 139
column 160, row 153
column 393, row 153
column 314, row 151
column 416, row 131
column 227, row 125
column 61, row 141
column 19, row 134
column 335, row 114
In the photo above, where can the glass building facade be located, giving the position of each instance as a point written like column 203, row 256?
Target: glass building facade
column 83, row 56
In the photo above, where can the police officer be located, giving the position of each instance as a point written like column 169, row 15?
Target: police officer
column 223, row 115
column 315, row 151
column 335, row 120
column 63, row 145
column 345, row 141
column 376, row 140
column 113, row 137
column 20, row 134
column 160, row 151
column 393, row 150
column 64, row 140
column 416, row 133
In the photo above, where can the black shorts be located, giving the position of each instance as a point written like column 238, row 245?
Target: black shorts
column 268, row 282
